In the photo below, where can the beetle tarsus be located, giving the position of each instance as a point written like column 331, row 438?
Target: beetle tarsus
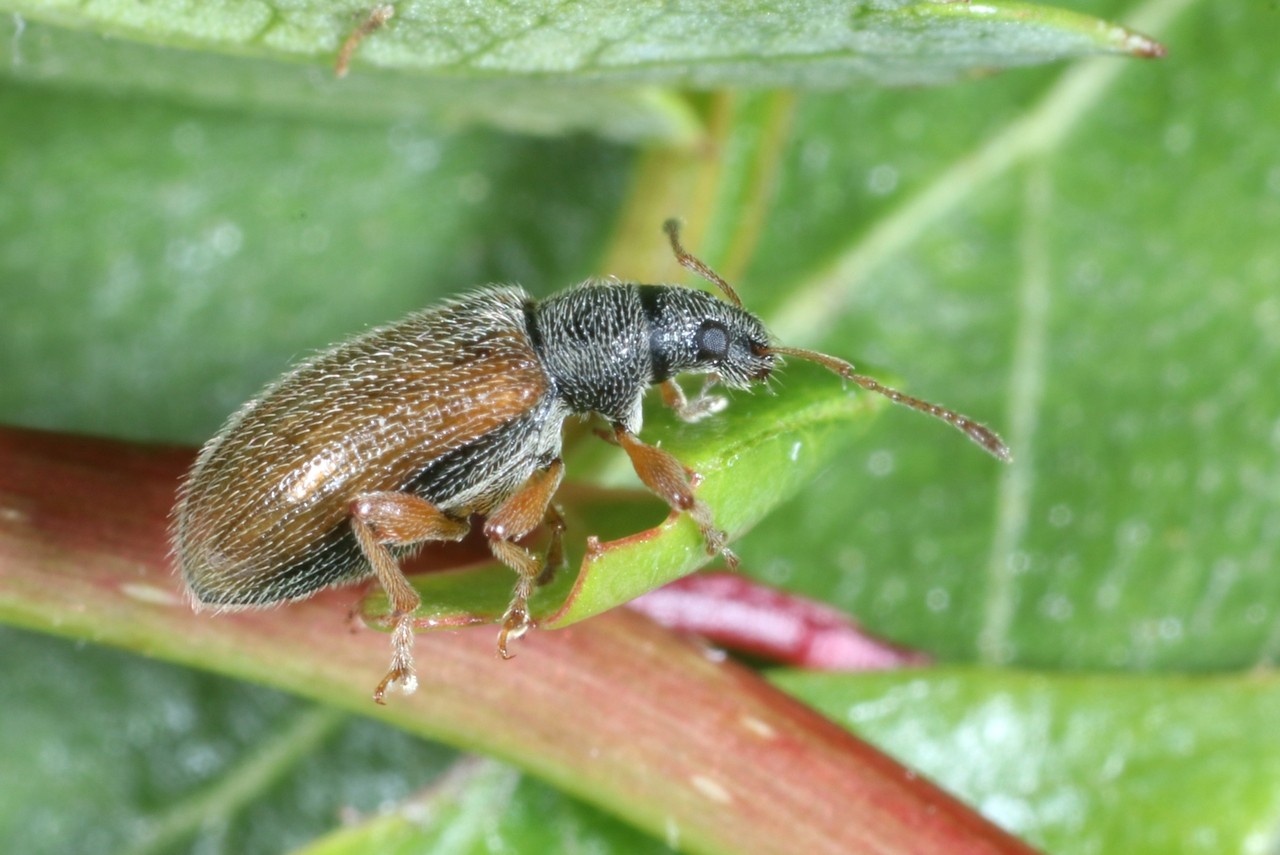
column 704, row 404
column 402, row 672
column 718, row 544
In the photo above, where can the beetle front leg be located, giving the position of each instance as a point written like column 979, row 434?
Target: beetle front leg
column 382, row 520
column 705, row 404
column 514, row 518
column 662, row 473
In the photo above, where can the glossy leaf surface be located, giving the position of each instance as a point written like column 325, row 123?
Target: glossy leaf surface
column 509, row 64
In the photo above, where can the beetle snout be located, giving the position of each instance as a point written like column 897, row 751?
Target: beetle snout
column 765, row 360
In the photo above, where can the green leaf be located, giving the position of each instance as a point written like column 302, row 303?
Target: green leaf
column 271, row 83
column 482, row 806
column 162, row 759
column 750, row 459
column 539, row 68
column 753, row 457
column 1116, row 324
column 1080, row 763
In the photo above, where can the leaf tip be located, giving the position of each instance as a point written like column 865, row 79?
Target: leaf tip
column 1144, row 47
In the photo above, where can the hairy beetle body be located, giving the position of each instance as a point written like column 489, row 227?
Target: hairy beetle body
column 397, row 437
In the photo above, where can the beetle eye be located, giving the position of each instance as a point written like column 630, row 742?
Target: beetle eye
column 713, row 341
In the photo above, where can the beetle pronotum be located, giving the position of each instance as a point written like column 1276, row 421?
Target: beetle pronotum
column 363, row 453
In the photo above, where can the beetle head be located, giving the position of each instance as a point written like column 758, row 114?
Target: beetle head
column 694, row 332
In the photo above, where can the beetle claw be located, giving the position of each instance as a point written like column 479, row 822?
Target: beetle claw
column 718, row 544
column 515, row 623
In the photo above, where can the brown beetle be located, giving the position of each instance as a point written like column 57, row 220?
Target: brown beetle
column 394, row 439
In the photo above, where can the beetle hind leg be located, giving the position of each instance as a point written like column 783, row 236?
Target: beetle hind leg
column 518, row 515
column 383, row 520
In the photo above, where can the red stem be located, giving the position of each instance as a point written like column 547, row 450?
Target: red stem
column 616, row 710
column 745, row 616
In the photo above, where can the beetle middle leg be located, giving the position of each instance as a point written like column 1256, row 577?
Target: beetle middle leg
column 554, row 558
column 662, row 473
column 382, row 520
column 518, row 515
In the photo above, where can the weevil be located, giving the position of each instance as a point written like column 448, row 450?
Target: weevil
column 398, row 437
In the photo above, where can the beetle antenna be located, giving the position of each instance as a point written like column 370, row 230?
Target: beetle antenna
column 981, row 434
column 696, row 265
